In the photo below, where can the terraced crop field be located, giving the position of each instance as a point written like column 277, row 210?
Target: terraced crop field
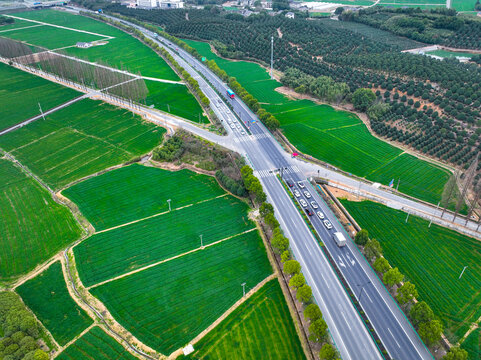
column 449, row 54
column 432, row 258
column 20, row 90
column 123, row 51
column 472, row 344
column 47, row 296
column 260, row 328
column 32, row 226
column 123, row 249
column 336, row 137
column 168, row 305
column 79, row 140
column 95, row 344
column 135, row 192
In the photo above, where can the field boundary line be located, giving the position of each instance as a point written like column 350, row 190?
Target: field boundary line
column 387, row 163
column 169, row 259
column 232, row 309
column 62, row 348
column 60, row 26
column 25, row 27
column 158, row 214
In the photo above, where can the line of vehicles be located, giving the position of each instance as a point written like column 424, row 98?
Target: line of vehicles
column 337, row 236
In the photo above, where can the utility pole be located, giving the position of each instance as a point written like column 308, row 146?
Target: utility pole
column 397, row 186
column 168, row 108
column 462, row 272
column 272, row 56
column 407, row 217
column 243, row 289
column 168, row 201
column 201, row 243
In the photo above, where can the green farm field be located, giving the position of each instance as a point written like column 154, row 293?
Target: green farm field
column 261, row 328
column 123, row 51
column 166, row 312
column 49, row 37
column 175, row 99
column 33, row 227
column 95, row 344
column 20, row 90
column 449, row 54
column 432, row 258
column 47, row 296
column 115, row 252
column 79, row 140
column 423, row 4
column 472, row 344
column 135, row 192
column 18, row 24
column 336, row 137
column 463, row 5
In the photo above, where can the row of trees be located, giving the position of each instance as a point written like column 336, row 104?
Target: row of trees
column 318, row 330
column 252, row 184
column 421, row 315
column 20, row 330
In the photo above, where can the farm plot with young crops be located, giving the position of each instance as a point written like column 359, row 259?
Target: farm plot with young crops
column 95, row 344
column 174, row 99
column 168, row 305
column 33, row 227
column 432, row 258
column 20, row 90
column 423, row 4
column 50, row 37
column 423, row 178
column 123, row 249
column 18, row 24
column 135, row 192
column 336, row 137
column 260, row 328
column 47, row 296
column 472, row 344
column 122, row 51
column 79, row 140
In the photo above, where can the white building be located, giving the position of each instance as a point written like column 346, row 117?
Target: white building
column 163, row 4
column 290, row 15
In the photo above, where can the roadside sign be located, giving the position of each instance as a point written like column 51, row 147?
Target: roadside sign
column 203, row 58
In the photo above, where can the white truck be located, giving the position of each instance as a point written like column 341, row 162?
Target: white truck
column 339, row 239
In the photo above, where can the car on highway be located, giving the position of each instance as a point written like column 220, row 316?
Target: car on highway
column 307, row 195
column 327, row 224
column 289, row 183
column 243, row 132
column 301, row 185
column 297, row 193
column 232, row 126
column 314, row 205
column 320, row 215
column 309, row 212
column 238, row 126
column 303, row 202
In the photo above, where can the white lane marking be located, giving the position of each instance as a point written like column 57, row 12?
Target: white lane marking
column 325, row 281
column 341, row 263
column 365, row 292
column 344, row 316
column 351, row 260
column 345, row 260
column 388, row 329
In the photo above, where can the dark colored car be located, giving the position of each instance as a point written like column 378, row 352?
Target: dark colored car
column 289, row 183
column 309, row 212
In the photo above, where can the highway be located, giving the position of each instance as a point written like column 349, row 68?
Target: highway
column 265, row 156
column 353, row 341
